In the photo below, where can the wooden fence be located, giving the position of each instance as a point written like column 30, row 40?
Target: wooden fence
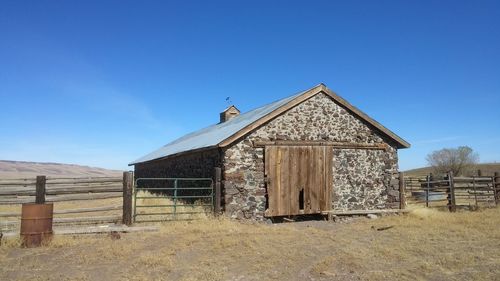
column 93, row 195
column 453, row 192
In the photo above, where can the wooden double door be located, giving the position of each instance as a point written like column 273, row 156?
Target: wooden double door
column 299, row 179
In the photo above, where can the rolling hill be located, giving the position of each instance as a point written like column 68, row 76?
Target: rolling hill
column 22, row 169
column 487, row 169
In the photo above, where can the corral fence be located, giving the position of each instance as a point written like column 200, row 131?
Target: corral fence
column 80, row 201
column 77, row 200
column 167, row 199
column 163, row 199
column 454, row 192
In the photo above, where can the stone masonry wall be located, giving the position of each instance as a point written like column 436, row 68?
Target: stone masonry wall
column 193, row 165
column 362, row 178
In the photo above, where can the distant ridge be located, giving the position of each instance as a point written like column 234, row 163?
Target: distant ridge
column 487, row 169
column 25, row 169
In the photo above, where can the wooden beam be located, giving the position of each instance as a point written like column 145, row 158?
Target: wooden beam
column 344, row 145
column 402, row 191
column 452, row 203
column 40, row 189
column 100, row 219
column 496, row 187
column 68, row 211
column 217, row 186
column 84, row 180
column 128, row 185
column 97, row 230
column 364, row 212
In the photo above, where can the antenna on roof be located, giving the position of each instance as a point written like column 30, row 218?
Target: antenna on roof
column 228, row 100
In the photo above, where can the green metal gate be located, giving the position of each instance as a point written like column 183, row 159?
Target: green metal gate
column 166, row 199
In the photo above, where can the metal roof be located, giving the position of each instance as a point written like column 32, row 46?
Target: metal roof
column 213, row 135
column 223, row 134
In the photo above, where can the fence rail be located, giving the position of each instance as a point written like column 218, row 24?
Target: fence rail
column 18, row 191
column 456, row 192
column 164, row 199
column 14, row 192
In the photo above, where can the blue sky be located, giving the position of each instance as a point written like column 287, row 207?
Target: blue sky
column 102, row 83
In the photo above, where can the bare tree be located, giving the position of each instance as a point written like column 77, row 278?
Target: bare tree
column 458, row 160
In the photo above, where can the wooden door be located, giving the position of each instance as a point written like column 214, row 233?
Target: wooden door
column 299, row 179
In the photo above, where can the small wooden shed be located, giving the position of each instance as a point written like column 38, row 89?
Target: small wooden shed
column 309, row 153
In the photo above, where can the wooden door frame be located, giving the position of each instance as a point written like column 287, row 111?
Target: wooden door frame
column 318, row 184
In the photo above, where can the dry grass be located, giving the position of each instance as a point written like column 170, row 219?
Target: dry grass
column 199, row 211
column 424, row 245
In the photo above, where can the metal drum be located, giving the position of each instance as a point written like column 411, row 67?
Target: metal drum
column 36, row 224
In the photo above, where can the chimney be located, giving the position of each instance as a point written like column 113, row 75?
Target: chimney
column 229, row 113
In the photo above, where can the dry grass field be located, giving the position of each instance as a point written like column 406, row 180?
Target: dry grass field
column 424, row 245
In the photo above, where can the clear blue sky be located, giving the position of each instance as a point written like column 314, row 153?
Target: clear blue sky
column 103, row 82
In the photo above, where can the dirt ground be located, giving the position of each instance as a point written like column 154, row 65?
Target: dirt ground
column 423, row 245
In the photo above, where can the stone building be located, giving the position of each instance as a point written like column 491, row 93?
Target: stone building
column 305, row 154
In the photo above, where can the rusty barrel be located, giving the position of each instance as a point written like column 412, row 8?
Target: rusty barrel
column 36, row 224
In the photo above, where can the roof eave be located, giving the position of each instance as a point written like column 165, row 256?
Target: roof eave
column 401, row 143
column 176, row 154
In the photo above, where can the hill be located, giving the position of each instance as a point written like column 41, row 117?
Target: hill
column 487, row 169
column 22, row 169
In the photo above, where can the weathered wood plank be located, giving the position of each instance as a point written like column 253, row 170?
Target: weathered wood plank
column 302, row 176
column 94, row 219
column 313, row 184
column 217, row 187
column 285, row 181
column 306, row 159
column 88, row 180
column 40, row 189
column 329, row 178
column 268, row 178
column 60, row 191
column 97, row 230
column 294, row 184
column 365, row 212
column 69, row 211
column 344, row 145
column 320, row 173
column 128, row 185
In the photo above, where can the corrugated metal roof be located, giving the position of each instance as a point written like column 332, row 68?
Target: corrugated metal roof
column 213, row 135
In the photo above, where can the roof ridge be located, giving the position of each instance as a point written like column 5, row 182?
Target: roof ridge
column 224, row 134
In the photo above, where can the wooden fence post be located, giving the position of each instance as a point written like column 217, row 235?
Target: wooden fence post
column 402, row 191
column 217, row 185
column 428, row 185
column 452, row 203
column 40, row 189
column 496, row 187
column 128, row 184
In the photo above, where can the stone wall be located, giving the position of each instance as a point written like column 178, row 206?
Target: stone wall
column 361, row 177
column 192, row 165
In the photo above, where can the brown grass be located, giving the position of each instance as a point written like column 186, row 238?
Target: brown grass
column 156, row 199
column 424, row 245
